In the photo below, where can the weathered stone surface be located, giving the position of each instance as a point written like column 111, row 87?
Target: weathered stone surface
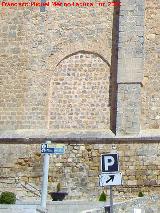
column 57, row 82
column 150, row 117
column 38, row 54
column 32, row 48
column 79, row 94
column 131, row 41
column 128, row 109
column 78, row 170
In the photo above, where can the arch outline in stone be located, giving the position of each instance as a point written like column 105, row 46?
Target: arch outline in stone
column 64, row 58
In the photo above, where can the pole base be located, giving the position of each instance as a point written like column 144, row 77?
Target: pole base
column 41, row 210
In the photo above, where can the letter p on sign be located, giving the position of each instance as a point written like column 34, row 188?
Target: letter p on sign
column 109, row 163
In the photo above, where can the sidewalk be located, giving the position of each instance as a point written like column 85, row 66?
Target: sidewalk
column 53, row 207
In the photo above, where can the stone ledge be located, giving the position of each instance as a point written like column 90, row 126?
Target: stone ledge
column 45, row 133
column 76, row 136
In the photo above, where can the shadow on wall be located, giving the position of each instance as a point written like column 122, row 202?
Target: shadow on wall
column 114, row 69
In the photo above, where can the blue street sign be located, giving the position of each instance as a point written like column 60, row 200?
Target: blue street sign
column 51, row 150
column 43, row 148
column 58, row 150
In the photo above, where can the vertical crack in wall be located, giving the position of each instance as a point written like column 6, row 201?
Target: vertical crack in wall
column 113, row 70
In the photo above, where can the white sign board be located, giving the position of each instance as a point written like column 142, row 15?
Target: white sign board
column 111, row 179
column 109, row 163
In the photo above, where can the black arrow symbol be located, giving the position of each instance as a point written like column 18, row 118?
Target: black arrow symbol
column 111, row 178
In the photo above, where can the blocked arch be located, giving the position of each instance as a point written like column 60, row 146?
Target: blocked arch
column 79, row 93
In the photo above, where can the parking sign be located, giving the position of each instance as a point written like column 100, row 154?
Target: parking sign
column 109, row 163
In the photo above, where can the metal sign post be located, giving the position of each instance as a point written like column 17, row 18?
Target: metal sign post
column 111, row 200
column 46, row 150
column 110, row 175
column 45, row 180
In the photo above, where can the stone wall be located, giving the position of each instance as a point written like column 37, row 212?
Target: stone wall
column 79, row 94
column 151, row 83
column 33, row 44
column 130, row 66
column 40, row 54
column 78, row 169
